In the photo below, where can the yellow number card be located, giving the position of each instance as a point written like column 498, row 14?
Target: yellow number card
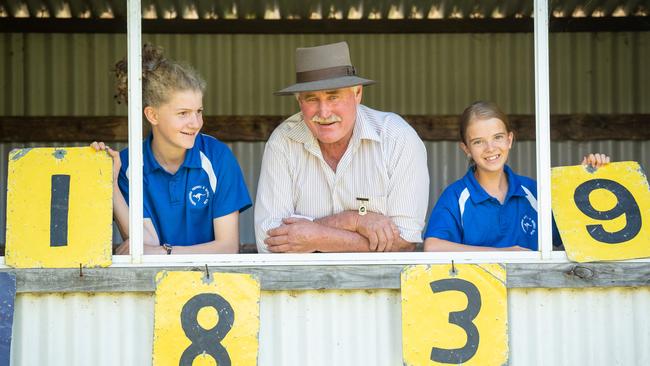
column 59, row 208
column 200, row 320
column 602, row 214
column 454, row 315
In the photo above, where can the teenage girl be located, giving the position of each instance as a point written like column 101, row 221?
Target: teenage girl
column 193, row 186
column 491, row 207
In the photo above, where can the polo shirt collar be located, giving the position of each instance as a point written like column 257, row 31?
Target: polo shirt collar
column 192, row 157
column 478, row 193
column 514, row 184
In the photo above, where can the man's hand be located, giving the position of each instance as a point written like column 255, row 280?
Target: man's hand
column 380, row 231
column 295, row 235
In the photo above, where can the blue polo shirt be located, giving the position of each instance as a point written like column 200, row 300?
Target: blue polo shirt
column 465, row 213
column 209, row 184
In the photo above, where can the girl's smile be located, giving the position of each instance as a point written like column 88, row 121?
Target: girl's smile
column 488, row 144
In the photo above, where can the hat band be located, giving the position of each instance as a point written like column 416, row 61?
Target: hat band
column 323, row 74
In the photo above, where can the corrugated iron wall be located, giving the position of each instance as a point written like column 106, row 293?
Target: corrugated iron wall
column 609, row 326
column 445, row 159
column 68, row 74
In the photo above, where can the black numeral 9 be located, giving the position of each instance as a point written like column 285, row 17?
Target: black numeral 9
column 625, row 205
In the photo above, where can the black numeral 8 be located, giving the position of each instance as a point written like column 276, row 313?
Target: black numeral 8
column 206, row 340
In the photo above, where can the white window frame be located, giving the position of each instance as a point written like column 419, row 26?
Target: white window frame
column 543, row 152
column 135, row 183
column 543, row 158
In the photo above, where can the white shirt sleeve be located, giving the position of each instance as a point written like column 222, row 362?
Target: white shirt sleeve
column 408, row 187
column 274, row 192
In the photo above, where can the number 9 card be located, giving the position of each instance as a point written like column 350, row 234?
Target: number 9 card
column 602, row 214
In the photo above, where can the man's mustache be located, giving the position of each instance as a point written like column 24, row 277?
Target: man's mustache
column 331, row 119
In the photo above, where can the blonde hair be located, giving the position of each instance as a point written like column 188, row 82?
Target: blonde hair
column 160, row 77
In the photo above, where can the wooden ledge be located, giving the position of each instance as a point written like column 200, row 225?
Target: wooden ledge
column 564, row 275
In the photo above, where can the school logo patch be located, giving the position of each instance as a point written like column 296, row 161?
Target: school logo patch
column 199, row 195
column 528, row 225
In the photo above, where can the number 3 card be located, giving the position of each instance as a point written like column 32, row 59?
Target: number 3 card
column 200, row 320
column 602, row 214
column 454, row 315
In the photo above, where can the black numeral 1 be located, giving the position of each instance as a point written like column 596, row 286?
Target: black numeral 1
column 206, row 340
column 461, row 318
column 59, row 210
column 625, row 205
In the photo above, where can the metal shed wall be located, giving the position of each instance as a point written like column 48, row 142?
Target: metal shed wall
column 68, row 74
column 445, row 159
column 546, row 327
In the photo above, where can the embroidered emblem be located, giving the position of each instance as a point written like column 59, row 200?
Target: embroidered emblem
column 199, row 195
column 528, row 225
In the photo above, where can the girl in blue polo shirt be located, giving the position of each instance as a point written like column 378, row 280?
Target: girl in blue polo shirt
column 491, row 207
column 193, row 186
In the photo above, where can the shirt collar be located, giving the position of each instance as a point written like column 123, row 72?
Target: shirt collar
column 478, row 194
column 298, row 130
column 366, row 127
column 514, row 184
column 192, row 157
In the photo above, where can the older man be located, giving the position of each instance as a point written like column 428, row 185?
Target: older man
column 339, row 176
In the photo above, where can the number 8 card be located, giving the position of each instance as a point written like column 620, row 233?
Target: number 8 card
column 602, row 214
column 206, row 320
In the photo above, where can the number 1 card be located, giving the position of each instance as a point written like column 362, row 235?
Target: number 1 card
column 602, row 214
column 59, row 208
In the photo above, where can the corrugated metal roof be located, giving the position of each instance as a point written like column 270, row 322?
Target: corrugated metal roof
column 319, row 9
column 362, row 327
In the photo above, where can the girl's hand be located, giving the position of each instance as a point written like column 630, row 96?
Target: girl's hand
column 515, row 248
column 123, row 249
column 595, row 160
column 117, row 163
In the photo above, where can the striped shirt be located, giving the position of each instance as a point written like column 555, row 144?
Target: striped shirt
column 385, row 162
